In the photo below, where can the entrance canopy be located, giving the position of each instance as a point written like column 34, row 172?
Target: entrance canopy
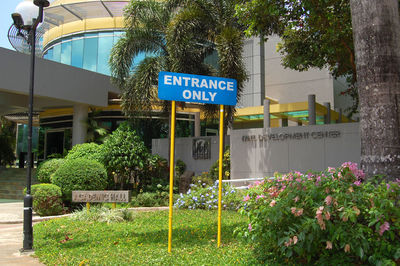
column 66, row 11
column 56, row 85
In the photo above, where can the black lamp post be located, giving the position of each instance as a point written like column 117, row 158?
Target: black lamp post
column 25, row 20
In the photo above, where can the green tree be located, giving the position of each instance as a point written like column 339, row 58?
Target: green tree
column 125, row 156
column 208, row 25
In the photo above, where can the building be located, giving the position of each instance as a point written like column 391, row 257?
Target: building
column 73, row 76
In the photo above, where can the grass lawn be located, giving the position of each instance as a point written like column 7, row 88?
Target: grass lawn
column 143, row 241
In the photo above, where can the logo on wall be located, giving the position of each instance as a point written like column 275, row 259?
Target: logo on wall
column 201, row 149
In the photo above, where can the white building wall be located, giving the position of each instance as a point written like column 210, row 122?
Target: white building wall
column 261, row 152
column 288, row 85
column 267, row 77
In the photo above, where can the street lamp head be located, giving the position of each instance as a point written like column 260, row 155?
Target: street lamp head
column 18, row 21
column 27, row 11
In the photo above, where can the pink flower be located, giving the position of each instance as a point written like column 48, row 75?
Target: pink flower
column 250, row 227
column 293, row 209
column 347, row 248
column 328, row 200
column 357, row 183
column 320, row 218
column 387, row 186
column 384, row 227
column 299, row 212
column 295, row 240
column 296, row 199
column 327, row 216
column 246, row 198
column 260, row 197
column 328, row 245
column 272, row 204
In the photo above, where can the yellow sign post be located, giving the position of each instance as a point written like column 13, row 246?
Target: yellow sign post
column 221, row 153
column 171, row 174
column 196, row 88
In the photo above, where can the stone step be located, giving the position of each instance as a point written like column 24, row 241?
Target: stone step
column 13, row 182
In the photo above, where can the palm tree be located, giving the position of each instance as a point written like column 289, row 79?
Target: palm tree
column 376, row 32
column 146, row 26
column 210, row 24
column 95, row 133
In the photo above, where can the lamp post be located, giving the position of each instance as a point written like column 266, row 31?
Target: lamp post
column 27, row 17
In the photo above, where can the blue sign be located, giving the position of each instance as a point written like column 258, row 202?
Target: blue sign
column 195, row 88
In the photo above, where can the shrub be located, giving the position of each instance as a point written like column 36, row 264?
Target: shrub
column 103, row 214
column 46, row 199
column 150, row 199
column 91, row 151
column 203, row 178
column 47, row 168
column 332, row 217
column 226, row 167
column 157, row 172
column 125, row 155
column 203, row 196
column 180, row 168
column 80, row 174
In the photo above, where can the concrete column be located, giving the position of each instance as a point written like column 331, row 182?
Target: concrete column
column 262, row 69
column 285, row 122
column 327, row 117
column 79, row 127
column 197, row 126
column 340, row 116
column 311, row 110
column 267, row 119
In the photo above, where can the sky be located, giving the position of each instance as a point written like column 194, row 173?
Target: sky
column 7, row 8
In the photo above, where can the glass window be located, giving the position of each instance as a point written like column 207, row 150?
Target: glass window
column 57, row 53
column 49, row 54
column 90, row 53
column 66, row 52
column 77, row 53
column 105, row 46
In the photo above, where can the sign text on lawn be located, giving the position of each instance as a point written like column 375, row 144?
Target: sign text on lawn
column 195, row 88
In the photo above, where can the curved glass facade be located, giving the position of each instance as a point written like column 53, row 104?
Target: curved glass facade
column 90, row 50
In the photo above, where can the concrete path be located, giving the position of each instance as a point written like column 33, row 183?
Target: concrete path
column 11, row 236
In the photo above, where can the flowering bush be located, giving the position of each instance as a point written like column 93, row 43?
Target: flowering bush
column 332, row 217
column 202, row 196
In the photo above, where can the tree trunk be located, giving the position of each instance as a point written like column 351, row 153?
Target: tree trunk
column 377, row 42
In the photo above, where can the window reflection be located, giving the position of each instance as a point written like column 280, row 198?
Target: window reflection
column 90, row 50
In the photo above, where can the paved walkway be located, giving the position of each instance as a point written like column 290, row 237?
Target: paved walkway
column 11, row 236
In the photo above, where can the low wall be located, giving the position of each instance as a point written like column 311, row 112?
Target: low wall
column 261, row 152
column 198, row 153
